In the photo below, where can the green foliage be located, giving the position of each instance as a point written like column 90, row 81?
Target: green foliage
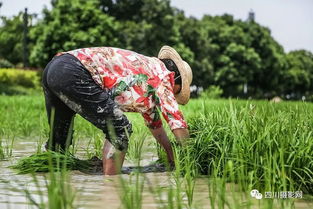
column 70, row 25
column 213, row 92
column 267, row 81
column 221, row 50
column 230, row 53
column 11, row 38
column 150, row 25
column 24, row 78
column 11, row 34
column 17, row 90
column 5, row 64
column 299, row 74
column 19, row 82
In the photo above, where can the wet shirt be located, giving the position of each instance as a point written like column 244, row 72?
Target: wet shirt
column 138, row 83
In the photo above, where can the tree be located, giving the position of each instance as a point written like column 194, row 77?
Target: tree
column 232, row 53
column 147, row 24
column 11, row 35
column 221, row 50
column 267, row 82
column 236, row 68
column 298, row 78
column 70, row 25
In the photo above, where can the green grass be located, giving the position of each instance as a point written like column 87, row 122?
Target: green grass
column 237, row 145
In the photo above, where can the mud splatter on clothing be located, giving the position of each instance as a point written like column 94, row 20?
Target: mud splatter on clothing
column 138, row 83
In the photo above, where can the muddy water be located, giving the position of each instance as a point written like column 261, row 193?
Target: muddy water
column 93, row 191
column 96, row 191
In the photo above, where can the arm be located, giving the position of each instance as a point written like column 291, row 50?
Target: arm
column 170, row 111
column 181, row 134
column 168, row 106
column 161, row 137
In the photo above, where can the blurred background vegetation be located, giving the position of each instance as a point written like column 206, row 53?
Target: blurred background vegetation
column 229, row 57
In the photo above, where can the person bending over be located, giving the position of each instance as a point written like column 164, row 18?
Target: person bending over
column 101, row 83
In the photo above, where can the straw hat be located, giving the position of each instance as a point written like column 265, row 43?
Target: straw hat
column 184, row 69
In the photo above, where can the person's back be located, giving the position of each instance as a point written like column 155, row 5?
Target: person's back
column 109, row 65
column 138, row 83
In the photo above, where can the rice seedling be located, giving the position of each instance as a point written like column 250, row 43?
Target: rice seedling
column 2, row 154
column 184, row 174
column 257, row 140
column 134, row 151
column 95, row 145
column 22, row 115
column 175, row 197
column 6, row 146
column 60, row 192
column 132, row 189
column 40, row 144
column 189, row 177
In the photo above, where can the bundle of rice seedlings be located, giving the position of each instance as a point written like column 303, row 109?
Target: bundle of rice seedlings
column 47, row 161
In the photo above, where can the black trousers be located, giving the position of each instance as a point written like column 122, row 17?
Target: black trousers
column 70, row 89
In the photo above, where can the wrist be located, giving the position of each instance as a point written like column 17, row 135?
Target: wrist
column 181, row 135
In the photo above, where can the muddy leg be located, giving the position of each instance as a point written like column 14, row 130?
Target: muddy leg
column 112, row 159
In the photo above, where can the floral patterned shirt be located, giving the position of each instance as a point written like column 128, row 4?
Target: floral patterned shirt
column 138, row 83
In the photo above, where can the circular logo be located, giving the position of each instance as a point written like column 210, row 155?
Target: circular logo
column 254, row 192
column 258, row 196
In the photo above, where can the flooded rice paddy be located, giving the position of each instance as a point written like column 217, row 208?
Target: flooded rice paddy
column 256, row 144
column 95, row 191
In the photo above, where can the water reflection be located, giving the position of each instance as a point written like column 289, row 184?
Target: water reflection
column 97, row 191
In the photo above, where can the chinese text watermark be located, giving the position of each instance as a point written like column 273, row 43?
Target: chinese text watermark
column 276, row 195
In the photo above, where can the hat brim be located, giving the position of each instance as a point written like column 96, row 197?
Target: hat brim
column 184, row 69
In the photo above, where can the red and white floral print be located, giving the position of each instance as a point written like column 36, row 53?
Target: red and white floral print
column 140, row 83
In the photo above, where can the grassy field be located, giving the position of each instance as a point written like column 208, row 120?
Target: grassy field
column 236, row 145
